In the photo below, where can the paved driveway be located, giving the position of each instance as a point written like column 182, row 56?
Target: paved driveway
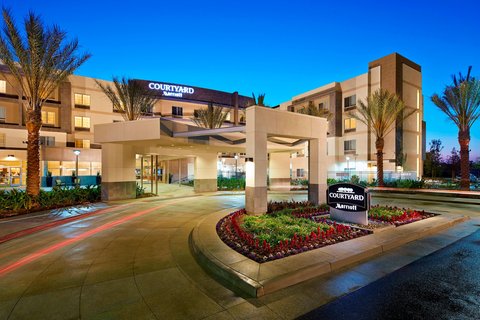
column 135, row 263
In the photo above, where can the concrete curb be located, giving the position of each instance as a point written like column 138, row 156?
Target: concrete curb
column 255, row 279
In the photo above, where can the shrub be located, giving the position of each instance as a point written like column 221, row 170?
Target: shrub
column 230, row 184
column 18, row 201
column 139, row 191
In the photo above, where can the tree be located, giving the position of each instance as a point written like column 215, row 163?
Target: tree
column 128, row 97
column 379, row 113
column 434, row 156
column 38, row 61
column 211, row 117
column 260, row 101
column 460, row 101
column 453, row 160
column 312, row 110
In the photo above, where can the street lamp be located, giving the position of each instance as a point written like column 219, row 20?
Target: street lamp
column 236, row 166
column 348, row 167
column 77, row 153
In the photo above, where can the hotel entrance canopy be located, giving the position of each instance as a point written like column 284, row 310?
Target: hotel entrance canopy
column 266, row 131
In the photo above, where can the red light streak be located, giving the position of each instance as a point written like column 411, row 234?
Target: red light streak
column 42, row 252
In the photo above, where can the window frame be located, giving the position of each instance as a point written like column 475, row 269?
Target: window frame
column 176, row 114
column 349, row 128
column 348, row 104
column 82, row 120
column 348, row 143
column 83, row 104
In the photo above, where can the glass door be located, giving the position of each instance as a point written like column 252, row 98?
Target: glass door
column 15, row 176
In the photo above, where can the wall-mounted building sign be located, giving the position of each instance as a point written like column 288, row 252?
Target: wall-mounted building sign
column 348, row 202
column 171, row 90
column 178, row 92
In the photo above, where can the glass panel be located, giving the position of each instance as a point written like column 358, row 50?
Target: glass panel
column 51, row 117
column 78, row 98
column 86, row 100
column 78, row 122
column 86, row 122
column 3, row 86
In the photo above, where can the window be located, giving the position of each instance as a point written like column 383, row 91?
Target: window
column 321, row 105
column 177, row 111
column 47, row 141
column 300, row 172
column 82, row 99
column 3, row 114
column 350, row 102
column 350, row 145
column 82, row 143
column 82, row 122
column 3, row 86
column 2, row 140
column 48, row 118
column 350, row 124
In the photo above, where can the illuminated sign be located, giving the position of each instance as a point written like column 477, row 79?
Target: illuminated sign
column 170, row 90
column 348, row 202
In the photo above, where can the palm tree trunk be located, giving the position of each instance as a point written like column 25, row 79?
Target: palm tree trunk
column 464, row 141
column 379, row 144
column 33, row 124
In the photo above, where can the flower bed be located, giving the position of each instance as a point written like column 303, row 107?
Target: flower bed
column 291, row 227
column 282, row 233
column 396, row 216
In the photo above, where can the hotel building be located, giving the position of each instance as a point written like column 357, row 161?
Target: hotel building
column 78, row 105
column 350, row 144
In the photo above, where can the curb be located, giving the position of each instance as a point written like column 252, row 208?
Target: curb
column 254, row 279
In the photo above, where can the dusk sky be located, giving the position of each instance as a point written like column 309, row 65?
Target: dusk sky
column 281, row 48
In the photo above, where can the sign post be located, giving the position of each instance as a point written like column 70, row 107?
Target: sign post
column 348, row 202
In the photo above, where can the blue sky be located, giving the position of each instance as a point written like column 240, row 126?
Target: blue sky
column 282, row 48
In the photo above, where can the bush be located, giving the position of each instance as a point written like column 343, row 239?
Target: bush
column 18, row 201
column 139, row 191
column 230, row 184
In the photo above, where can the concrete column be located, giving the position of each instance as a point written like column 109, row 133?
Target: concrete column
column 205, row 173
column 118, row 171
column 256, row 172
column 279, row 171
column 317, row 172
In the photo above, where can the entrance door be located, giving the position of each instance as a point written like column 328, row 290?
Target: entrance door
column 15, row 176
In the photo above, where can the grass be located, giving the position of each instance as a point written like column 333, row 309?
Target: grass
column 280, row 227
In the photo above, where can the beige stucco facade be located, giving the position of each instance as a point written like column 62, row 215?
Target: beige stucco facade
column 350, row 143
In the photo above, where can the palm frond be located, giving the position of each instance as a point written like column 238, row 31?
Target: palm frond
column 211, row 117
column 380, row 112
column 128, row 97
column 312, row 110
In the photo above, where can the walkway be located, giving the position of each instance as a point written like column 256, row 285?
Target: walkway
column 135, row 263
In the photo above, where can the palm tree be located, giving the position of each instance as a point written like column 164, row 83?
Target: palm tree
column 212, row 117
column 38, row 61
column 379, row 113
column 260, row 101
column 128, row 97
column 312, row 110
column 461, row 103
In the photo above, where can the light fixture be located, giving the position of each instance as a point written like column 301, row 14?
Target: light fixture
column 236, row 157
column 11, row 157
column 348, row 158
column 77, row 152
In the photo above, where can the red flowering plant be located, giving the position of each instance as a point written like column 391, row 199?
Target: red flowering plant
column 396, row 216
column 282, row 233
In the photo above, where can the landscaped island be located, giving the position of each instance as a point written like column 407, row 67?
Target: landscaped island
column 289, row 228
